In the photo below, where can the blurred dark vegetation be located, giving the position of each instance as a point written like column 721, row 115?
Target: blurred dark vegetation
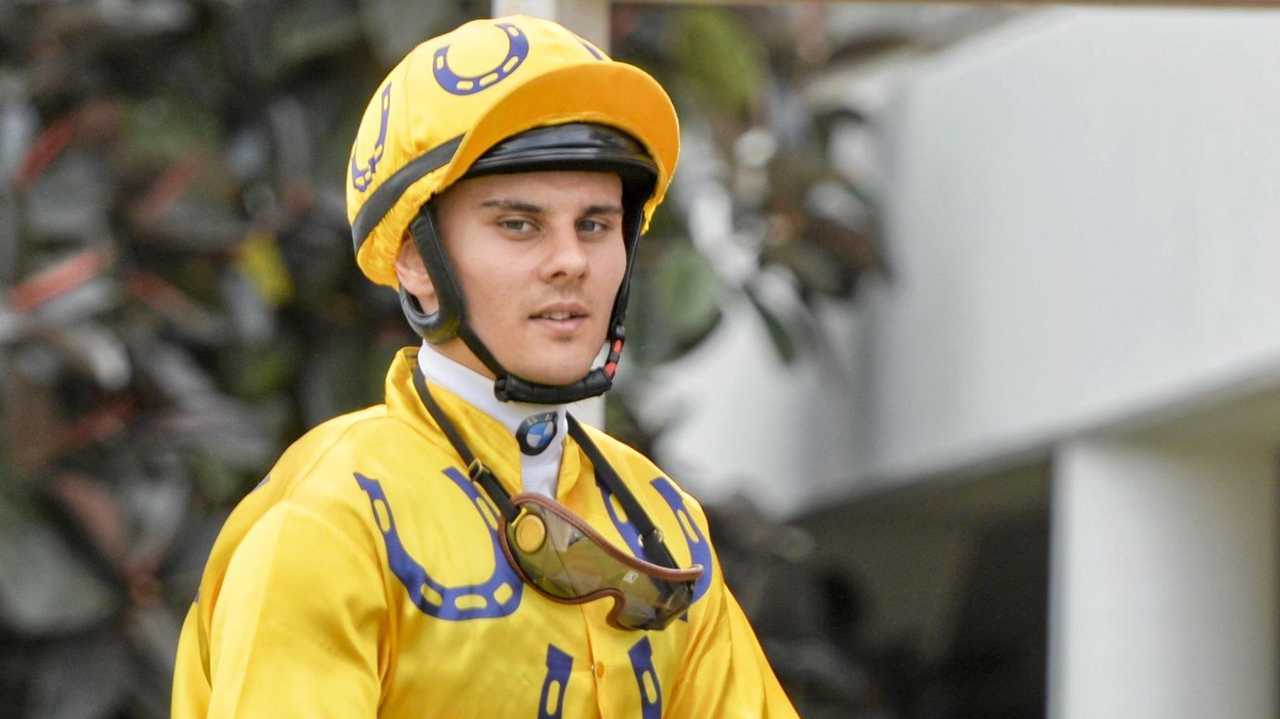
column 178, row 299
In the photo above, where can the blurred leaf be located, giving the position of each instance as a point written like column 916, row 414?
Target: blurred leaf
column 10, row 221
column 153, row 633
column 193, row 322
column 257, row 372
column 337, row 380
column 95, row 351
column 243, row 436
column 45, row 589
column 93, row 519
column 31, row 422
column 189, row 205
column 218, row 482
column 399, row 25
column 260, row 260
column 779, row 336
column 171, row 373
column 163, row 129
column 816, row 268
column 623, row 423
column 183, row 566
column 158, row 507
column 303, row 30
column 81, row 678
column 69, row 200
column 252, row 317
column 686, row 292
column 719, row 56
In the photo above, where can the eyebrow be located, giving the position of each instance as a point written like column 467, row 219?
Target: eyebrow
column 514, row 205
column 603, row 210
column 529, row 207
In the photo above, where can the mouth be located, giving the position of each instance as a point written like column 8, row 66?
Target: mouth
column 561, row 318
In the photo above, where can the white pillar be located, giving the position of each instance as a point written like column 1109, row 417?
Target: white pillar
column 588, row 18
column 1164, row 590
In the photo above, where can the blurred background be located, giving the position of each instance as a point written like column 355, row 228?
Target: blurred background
column 960, row 320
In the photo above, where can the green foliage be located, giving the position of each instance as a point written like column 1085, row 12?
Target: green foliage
column 162, row 129
column 189, row 173
column 688, row 292
column 718, row 59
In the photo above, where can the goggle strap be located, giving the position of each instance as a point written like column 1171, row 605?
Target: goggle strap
column 650, row 537
column 475, row 468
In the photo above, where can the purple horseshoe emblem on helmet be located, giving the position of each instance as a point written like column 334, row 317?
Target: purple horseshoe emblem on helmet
column 455, row 84
column 361, row 178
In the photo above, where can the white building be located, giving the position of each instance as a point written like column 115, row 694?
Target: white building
column 1084, row 323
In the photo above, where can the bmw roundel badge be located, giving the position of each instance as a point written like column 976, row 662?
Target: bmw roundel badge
column 536, row 432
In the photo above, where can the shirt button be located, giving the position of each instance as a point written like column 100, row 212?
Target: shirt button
column 599, row 670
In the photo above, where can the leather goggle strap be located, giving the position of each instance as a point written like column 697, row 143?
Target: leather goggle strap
column 654, row 547
column 475, row 469
column 650, row 537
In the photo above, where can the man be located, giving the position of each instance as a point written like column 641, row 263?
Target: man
column 467, row 549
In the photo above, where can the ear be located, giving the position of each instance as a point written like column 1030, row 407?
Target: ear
column 413, row 277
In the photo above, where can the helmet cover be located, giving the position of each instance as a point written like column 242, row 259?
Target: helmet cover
column 455, row 96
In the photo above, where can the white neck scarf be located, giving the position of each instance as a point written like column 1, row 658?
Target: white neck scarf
column 538, row 472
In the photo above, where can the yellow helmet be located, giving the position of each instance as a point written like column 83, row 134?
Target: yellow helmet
column 455, row 96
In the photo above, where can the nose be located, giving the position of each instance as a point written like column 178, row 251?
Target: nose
column 566, row 257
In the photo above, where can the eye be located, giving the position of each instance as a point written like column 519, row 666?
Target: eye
column 592, row 226
column 516, row 224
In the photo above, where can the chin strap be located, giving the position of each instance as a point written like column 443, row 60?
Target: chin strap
column 476, row 470
column 651, row 539
column 655, row 548
column 510, row 388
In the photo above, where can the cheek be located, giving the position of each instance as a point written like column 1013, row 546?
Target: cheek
column 490, row 292
column 486, row 282
column 613, row 265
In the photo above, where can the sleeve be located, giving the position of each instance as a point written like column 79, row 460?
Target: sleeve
column 725, row 673
column 297, row 627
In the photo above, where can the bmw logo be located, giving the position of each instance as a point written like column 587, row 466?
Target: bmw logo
column 536, row 432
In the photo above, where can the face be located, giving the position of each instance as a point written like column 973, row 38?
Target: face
column 540, row 258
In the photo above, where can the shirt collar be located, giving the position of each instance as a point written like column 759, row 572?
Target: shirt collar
column 477, row 390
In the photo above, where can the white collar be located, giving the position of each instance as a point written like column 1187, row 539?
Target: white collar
column 477, row 390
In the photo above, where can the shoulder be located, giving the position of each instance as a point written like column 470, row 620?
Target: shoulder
column 629, row 462
column 335, row 475
column 651, row 485
column 676, row 513
column 341, row 471
column 369, row 442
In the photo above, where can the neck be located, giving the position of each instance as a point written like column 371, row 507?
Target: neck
column 477, row 390
column 457, row 352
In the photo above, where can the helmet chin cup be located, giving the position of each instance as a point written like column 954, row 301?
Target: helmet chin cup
column 445, row 323
column 436, row 327
column 510, row 388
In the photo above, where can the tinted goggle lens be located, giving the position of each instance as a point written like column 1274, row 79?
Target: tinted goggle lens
column 567, row 560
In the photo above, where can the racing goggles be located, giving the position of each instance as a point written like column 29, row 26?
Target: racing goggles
column 564, row 559
column 558, row 553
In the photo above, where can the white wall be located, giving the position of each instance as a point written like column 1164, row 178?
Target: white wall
column 1084, row 228
column 750, row 423
column 1165, row 581
column 1085, row 225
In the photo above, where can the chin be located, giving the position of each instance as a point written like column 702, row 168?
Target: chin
column 555, row 373
column 558, row 377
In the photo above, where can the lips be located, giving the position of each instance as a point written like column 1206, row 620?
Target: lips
column 558, row 316
column 561, row 317
column 561, row 311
